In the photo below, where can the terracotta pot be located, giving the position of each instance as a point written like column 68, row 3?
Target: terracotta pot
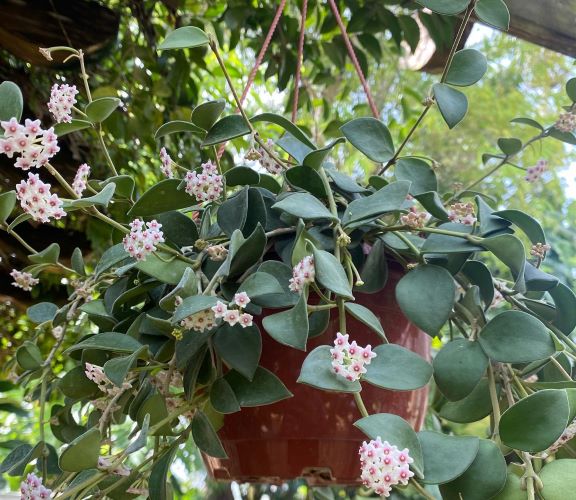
column 312, row 435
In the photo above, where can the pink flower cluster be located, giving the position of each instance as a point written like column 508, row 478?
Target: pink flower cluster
column 23, row 280
column 414, row 218
column 35, row 145
column 349, row 360
column 234, row 316
column 462, row 213
column 32, row 489
column 303, row 273
column 267, row 161
column 534, row 173
column 539, row 250
column 81, row 179
column 62, row 98
column 166, row 167
column 143, row 238
column 566, row 122
column 97, row 375
column 384, row 465
column 37, row 200
column 207, row 185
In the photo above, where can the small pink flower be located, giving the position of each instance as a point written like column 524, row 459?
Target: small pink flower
column 241, row 299
column 231, row 317
column 302, row 274
column 23, row 280
column 62, row 98
column 142, row 242
column 245, row 320
column 81, row 179
column 32, row 489
column 220, row 309
column 37, row 200
column 205, row 186
column 349, row 360
column 166, row 168
column 462, row 213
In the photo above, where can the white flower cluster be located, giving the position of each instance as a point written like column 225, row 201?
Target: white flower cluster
column 81, row 179
column 166, row 167
column 207, row 185
column 302, row 274
column 234, row 316
column 566, row 122
column 62, row 98
column 37, row 200
column 217, row 253
column 35, row 145
column 23, row 280
column 106, row 464
column 200, row 321
column 349, row 360
column 267, row 161
column 539, row 250
column 97, row 375
column 143, row 238
column 32, row 489
column 534, row 173
column 414, row 218
column 462, row 213
column 384, row 465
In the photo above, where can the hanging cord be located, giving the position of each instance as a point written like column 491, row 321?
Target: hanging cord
column 354, row 59
column 258, row 62
column 300, row 60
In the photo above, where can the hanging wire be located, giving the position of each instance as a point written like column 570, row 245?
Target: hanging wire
column 299, row 60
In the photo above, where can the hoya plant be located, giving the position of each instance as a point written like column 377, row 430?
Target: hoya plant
column 164, row 332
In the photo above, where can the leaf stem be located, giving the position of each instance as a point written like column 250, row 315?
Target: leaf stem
column 360, row 404
column 494, row 401
column 561, row 369
column 421, row 490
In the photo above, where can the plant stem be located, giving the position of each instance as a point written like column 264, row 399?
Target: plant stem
column 105, row 150
column 360, row 404
column 494, row 401
column 18, row 238
column 561, row 369
column 43, row 390
column 421, row 490
column 411, row 246
column 61, row 181
column 84, row 75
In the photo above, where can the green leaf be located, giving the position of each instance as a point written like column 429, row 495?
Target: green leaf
column 239, row 347
column 565, row 303
column 61, row 129
column 512, row 489
column 192, row 305
column 452, row 104
column 571, row 89
column 265, row 388
column 232, row 213
column 374, row 272
column 371, row 137
column 207, row 113
column 559, row 479
column 472, row 408
column 509, row 145
column 567, row 137
column 426, row 296
column 289, row 327
column 222, row 397
column 537, row 280
column 528, row 224
column 116, row 369
column 528, row 121
column 510, row 250
column 226, row 128
column 330, row 274
column 100, row 109
column 7, row 204
column 260, row 284
column 42, row 312
column 317, row 372
column 142, row 437
column 76, row 385
column 468, row 66
column 433, row 204
column 243, row 253
column 294, row 147
column 186, row 37
column 162, row 197
column 287, row 125
column 177, row 126
column 241, row 176
column 158, row 488
column 47, row 256
column 458, row 368
column 418, row 172
column 345, row 182
column 397, row 432
column 483, row 479
column 11, row 101
column 82, row 453
column 366, row 316
column 178, row 228
column 306, row 178
column 315, row 159
column 516, row 337
column 535, row 422
column 164, row 267
column 28, row 356
column 444, row 243
column 102, row 198
column 107, row 341
column 383, row 370
column 304, row 206
column 493, row 12
column 388, row 199
column 446, row 457
column 17, row 460
column 154, row 408
column 448, row 7
column 205, row 436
